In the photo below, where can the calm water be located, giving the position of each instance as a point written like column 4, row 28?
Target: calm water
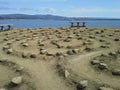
column 54, row 23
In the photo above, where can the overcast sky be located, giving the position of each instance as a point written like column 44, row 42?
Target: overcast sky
column 71, row 8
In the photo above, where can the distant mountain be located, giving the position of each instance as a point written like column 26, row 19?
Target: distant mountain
column 48, row 17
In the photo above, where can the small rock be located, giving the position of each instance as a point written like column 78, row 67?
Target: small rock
column 116, row 39
column 66, row 73
column 76, row 50
column 112, row 53
column 82, row 84
column 70, row 52
column 33, row 55
column 95, row 62
column 9, row 51
column 105, row 88
column 5, row 39
column 25, row 44
column 102, row 66
column 20, row 68
column 43, row 51
column 24, row 55
column 116, row 72
column 6, row 47
column 17, row 80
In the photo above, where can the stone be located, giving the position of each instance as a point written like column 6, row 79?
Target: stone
column 102, row 66
column 6, row 47
column 9, row 51
column 33, row 55
column 116, row 39
column 105, row 88
column 76, row 50
column 5, row 39
column 70, row 52
column 95, row 62
column 116, row 72
column 41, row 44
column 82, row 84
column 66, row 73
column 25, row 44
column 24, row 55
column 17, row 80
column 43, row 51
column 112, row 53
column 20, row 68
column 104, row 46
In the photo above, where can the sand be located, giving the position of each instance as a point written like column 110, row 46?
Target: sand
column 60, row 58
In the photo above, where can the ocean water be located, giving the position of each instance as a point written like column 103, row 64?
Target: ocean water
column 23, row 23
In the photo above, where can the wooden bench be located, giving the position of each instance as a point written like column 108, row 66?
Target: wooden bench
column 5, row 25
column 77, row 24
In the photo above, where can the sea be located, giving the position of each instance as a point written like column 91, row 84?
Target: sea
column 37, row 23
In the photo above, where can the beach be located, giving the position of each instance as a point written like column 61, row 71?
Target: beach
column 63, row 58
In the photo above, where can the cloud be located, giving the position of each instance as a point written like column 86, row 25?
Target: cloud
column 85, row 11
column 7, row 8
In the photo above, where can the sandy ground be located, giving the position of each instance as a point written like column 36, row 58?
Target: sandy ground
column 59, row 58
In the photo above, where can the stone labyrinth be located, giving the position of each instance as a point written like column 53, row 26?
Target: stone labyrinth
column 60, row 59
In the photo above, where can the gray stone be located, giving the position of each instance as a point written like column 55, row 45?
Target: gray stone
column 33, row 55
column 6, row 47
column 25, row 44
column 66, row 73
column 9, row 51
column 116, row 72
column 103, row 66
column 17, row 80
column 82, row 84
column 70, row 52
column 95, row 62
column 43, row 51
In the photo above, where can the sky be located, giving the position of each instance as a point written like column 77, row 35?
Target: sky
column 68, row 8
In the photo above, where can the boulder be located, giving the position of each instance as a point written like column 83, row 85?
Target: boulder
column 82, row 84
column 116, row 72
column 102, row 66
column 17, row 80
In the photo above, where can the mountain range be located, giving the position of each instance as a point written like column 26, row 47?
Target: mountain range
column 49, row 17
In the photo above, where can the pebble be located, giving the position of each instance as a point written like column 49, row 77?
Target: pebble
column 95, row 62
column 82, row 84
column 9, row 51
column 17, row 80
column 116, row 72
column 66, row 73
column 33, row 55
column 102, row 66
column 70, row 52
